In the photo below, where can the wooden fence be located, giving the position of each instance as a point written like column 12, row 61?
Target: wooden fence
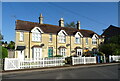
column 114, row 58
column 15, row 63
column 83, row 60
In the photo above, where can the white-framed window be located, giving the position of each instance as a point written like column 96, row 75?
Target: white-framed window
column 86, row 40
column 62, row 51
column 21, row 36
column 79, row 52
column 37, row 53
column 77, row 40
column 36, row 36
column 94, row 41
column 62, row 38
column 50, row 37
column 78, row 37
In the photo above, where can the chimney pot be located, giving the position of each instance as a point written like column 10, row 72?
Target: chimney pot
column 41, row 19
column 78, row 25
column 61, row 22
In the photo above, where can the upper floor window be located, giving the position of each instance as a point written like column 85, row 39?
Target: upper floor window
column 62, row 39
column 62, row 36
column 36, row 34
column 77, row 40
column 21, row 36
column 78, row 36
column 94, row 39
column 86, row 40
column 50, row 37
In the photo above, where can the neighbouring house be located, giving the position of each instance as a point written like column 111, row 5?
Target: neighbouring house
column 36, row 40
column 110, row 32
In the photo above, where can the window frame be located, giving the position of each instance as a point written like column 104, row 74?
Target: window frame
column 21, row 36
column 62, row 52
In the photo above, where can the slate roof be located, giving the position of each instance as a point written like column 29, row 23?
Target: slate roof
column 111, row 31
column 47, row 28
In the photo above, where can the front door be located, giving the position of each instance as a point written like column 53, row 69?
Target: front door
column 79, row 52
column 50, row 52
column 21, row 55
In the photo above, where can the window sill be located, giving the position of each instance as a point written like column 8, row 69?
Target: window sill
column 36, row 41
column 21, row 41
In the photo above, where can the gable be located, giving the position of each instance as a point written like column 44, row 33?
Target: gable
column 95, row 36
column 36, row 30
column 78, row 34
column 62, row 32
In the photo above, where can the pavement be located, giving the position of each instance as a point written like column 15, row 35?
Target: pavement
column 55, row 68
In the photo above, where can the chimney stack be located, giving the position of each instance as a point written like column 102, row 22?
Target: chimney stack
column 78, row 25
column 61, row 22
column 41, row 19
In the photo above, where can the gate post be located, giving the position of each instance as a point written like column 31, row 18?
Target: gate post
column 73, row 61
column 84, row 60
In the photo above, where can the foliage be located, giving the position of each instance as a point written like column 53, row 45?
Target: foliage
column 3, row 52
column 68, row 60
column 11, row 45
column 58, row 56
column 71, row 25
column 109, row 49
column 114, row 40
column 1, row 36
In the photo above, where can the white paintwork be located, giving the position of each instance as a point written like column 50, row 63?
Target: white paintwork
column 35, row 30
column 15, row 63
column 83, row 60
column 79, row 52
column 37, row 53
column 21, row 55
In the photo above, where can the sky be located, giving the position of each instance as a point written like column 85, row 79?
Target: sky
column 94, row 16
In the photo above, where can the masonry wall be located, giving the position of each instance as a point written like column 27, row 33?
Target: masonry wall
column 45, row 40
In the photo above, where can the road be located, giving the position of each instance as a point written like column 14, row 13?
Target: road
column 96, row 72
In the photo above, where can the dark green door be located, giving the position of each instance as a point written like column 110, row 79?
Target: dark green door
column 50, row 52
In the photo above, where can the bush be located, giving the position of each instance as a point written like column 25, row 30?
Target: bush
column 3, row 52
column 58, row 56
column 68, row 60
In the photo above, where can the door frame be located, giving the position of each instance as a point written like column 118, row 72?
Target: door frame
column 50, row 52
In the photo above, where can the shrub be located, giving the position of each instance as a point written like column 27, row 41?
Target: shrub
column 3, row 52
column 58, row 56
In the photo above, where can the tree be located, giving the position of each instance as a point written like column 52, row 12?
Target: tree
column 111, row 46
column 11, row 45
column 3, row 52
column 71, row 25
column 1, row 36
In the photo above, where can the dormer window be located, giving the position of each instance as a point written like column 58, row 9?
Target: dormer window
column 62, row 36
column 78, row 36
column 94, row 39
column 36, row 34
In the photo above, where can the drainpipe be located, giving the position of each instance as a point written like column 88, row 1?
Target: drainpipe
column 56, row 44
column 82, row 44
column 70, row 45
column 29, row 46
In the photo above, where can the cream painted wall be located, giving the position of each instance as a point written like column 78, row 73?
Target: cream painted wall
column 47, row 44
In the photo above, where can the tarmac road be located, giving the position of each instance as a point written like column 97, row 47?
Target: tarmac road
column 96, row 72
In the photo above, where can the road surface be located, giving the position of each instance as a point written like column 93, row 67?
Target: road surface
column 96, row 72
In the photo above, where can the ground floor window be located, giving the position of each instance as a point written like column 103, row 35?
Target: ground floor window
column 37, row 53
column 79, row 52
column 62, row 51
